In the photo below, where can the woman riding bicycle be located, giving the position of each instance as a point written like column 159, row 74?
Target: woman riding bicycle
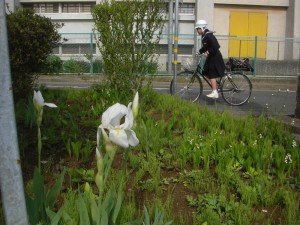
column 214, row 65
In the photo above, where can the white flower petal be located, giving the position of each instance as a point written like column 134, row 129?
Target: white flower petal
column 38, row 98
column 51, row 105
column 113, row 115
column 128, row 118
column 132, row 139
column 119, row 137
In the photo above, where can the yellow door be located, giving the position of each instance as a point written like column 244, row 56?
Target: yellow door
column 258, row 25
column 248, row 24
column 238, row 27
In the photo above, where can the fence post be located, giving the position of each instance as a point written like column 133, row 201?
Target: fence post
column 240, row 49
column 170, row 37
column 11, row 181
column 175, row 45
column 91, row 54
column 255, row 56
column 297, row 110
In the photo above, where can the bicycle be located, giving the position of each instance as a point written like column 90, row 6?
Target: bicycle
column 235, row 87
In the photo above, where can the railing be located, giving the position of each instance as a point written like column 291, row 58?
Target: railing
column 269, row 56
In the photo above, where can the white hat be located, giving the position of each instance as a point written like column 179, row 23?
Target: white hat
column 201, row 24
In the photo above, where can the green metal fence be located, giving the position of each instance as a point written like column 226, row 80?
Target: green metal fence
column 269, row 56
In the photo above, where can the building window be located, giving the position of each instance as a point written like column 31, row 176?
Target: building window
column 77, row 7
column 77, row 49
column 43, row 7
column 185, row 49
column 183, row 8
column 187, row 8
column 87, row 7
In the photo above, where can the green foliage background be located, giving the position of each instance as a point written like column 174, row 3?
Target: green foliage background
column 31, row 39
column 128, row 34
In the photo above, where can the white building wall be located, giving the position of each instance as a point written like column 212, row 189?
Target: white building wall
column 296, row 53
column 215, row 12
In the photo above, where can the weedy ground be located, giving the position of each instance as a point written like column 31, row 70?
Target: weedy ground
column 196, row 165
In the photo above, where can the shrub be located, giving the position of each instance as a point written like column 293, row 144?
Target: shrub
column 129, row 32
column 97, row 66
column 54, row 65
column 76, row 66
column 31, row 39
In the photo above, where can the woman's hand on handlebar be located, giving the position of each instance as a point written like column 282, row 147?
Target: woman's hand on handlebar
column 205, row 54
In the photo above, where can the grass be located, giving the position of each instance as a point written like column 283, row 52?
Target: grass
column 193, row 164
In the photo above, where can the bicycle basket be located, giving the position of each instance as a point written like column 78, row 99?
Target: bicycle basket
column 190, row 63
column 235, row 64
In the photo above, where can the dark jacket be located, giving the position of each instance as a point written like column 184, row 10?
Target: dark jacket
column 214, row 65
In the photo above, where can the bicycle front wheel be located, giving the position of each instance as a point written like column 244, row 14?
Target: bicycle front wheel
column 188, row 86
column 236, row 89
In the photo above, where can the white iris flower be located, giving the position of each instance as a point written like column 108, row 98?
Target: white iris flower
column 39, row 103
column 118, row 120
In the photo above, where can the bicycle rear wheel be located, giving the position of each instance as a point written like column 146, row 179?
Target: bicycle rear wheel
column 188, row 86
column 236, row 89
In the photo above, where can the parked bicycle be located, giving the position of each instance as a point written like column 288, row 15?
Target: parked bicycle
column 235, row 87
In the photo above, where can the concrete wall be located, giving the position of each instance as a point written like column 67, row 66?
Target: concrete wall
column 278, row 68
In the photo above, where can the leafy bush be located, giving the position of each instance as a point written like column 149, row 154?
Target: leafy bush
column 54, row 65
column 129, row 32
column 97, row 66
column 150, row 67
column 76, row 66
column 31, row 39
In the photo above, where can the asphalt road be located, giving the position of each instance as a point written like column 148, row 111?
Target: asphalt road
column 269, row 102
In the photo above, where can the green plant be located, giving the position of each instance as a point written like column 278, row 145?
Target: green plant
column 40, row 200
column 38, row 102
column 103, row 212
column 199, row 181
column 86, row 150
column 104, row 207
column 81, row 175
column 127, row 39
column 235, row 170
column 69, row 210
column 98, row 66
column 31, row 39
column 75, row 66
column 128, row 210
column 107, row 95
column 76, row 147
column 158, row 219
column 54, row 65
